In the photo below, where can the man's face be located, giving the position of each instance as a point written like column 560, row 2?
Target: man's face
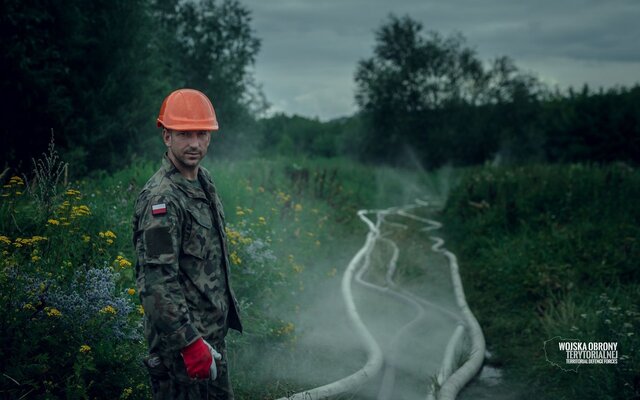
column 187, row 147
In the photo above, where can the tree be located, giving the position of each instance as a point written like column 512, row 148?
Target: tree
column 434, row 96
column 411, row 75
column 96, row 73
column 210, row 45
column 83, row 69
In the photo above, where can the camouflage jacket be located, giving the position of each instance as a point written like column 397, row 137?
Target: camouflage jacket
column 182, row 269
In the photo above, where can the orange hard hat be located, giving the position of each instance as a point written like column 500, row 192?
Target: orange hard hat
column 187, row 110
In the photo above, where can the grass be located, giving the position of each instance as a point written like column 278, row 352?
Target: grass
column 544, row 251
column 547, row 251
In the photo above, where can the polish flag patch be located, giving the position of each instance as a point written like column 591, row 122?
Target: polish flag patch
column 158, row 209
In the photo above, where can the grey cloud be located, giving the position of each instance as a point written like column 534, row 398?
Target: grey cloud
column 322, row 41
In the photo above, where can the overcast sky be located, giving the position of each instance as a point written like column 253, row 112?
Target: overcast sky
column 310, row 48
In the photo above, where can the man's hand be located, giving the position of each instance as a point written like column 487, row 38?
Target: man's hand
column 198, row 359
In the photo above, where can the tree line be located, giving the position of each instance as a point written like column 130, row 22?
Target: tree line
column 96, row 72
column 429, row 99
column 434, row 96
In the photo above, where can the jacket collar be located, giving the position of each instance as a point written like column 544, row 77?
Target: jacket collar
column 172, row 173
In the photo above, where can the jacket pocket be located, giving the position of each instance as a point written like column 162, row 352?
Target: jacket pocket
column 197, row 241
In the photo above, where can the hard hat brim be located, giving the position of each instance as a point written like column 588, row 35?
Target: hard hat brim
column 188, row 126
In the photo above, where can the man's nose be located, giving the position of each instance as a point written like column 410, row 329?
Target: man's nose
column 193, row 140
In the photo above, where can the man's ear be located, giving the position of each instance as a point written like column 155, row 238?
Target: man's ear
column 166, row 137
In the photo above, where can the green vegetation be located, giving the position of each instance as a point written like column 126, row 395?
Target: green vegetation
column 72, row 323
column 96, row 73
column 434, row 96
column 544, row 251
column 551, row 251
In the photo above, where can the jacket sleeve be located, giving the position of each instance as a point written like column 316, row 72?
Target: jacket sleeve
column 158, row 242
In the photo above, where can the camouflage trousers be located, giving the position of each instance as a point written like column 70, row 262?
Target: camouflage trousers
column 169, row 379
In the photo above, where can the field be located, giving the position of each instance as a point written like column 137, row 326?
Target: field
column 544, row 251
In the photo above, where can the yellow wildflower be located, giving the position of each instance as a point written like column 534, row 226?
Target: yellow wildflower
column 131, row 291
column 140, row 310
column 53, row 222
column 35, row 258
column 122, row 262
column 86, row 238
column 126, row 393
column 283, row 197
column 16, row 180
column 52, row 312
column 286, row 329
column 109, row 241
column 72, row 192
column 80, row 211
column 85, row 348
column 108, row 310
column 107, row 235
column 262, row 220
column 239, row 213
column 28, row 307
column 298, row 207
column 5, row 240
column 235, row 258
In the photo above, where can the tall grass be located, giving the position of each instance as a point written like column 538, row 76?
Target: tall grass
column 552, row 251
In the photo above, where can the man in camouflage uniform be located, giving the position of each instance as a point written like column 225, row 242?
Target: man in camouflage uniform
column 182, row 268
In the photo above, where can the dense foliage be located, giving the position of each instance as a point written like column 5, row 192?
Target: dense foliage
column 96, row 72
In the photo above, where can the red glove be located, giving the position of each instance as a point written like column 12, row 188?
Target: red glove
column 197, row 358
